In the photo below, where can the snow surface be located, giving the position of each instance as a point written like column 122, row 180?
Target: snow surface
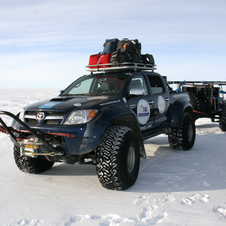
column 173, row 187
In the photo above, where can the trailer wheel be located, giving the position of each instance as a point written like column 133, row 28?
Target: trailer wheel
column 118, row 159
column 183, row 137
column 196, row 103
column 222, row 121
column 29, row 164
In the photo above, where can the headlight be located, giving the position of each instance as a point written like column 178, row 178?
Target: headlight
column 79, row 117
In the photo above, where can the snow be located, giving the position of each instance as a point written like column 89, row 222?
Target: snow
column 173, row 187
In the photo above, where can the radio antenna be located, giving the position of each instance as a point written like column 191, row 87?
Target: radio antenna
column 102, row 24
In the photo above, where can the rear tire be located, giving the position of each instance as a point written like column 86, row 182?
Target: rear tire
column 183, row 137
column 118, row 159
column 222, row 122
column 29, row 164
column 196, row 103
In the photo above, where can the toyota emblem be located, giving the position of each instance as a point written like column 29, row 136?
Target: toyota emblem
column 40, row 115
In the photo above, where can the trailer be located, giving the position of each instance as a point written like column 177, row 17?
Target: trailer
column 207, row 99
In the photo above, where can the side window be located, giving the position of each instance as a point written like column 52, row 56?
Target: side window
column 156, row 84
column 139, row 82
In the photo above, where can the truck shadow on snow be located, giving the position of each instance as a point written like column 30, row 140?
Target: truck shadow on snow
column 201, row 168
column 207, row 126
column 167, row 170
column 71, row 170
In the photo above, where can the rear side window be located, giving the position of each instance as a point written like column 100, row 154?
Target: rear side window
column 156, row 84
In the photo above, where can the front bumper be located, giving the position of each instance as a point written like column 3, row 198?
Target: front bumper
column 51, row 141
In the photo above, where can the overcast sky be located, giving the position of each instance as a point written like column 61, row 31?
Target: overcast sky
column 47, row 43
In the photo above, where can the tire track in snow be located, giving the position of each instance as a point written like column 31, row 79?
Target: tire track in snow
column 150, row 161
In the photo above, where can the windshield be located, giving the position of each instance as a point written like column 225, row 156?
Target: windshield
column 97, row 85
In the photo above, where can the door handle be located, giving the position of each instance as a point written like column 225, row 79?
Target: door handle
column 167, row 98
column 151, row 102
column 132, row 106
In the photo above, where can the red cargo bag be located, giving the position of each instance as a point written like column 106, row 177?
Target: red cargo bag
column 99, row 60
column 94, row 59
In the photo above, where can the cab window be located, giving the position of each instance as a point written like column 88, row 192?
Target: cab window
column 156, row 84
column 100, row 84
column 139, row 82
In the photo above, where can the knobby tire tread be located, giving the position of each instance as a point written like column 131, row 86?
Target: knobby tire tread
column 222, row 122
column 178, row 138
column 29, row 164
column 110, row 159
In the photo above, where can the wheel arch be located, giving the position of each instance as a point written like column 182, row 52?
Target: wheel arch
column 131, row 122
column 178, row 109
column 120, row 116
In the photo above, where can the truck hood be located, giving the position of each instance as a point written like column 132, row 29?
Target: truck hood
column 70, row 103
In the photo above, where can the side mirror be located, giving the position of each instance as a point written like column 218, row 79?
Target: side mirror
column 137, row 91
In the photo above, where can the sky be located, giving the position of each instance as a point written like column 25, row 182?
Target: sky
column 47, row 43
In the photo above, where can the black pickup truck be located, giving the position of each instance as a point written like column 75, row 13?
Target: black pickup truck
column 102, row 118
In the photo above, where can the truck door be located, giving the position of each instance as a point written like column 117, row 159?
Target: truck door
column 159, row 99
column 138, row 101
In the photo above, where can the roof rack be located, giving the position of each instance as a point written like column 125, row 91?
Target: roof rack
column 121, row 66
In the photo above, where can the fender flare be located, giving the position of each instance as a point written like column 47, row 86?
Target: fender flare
column 120, row 116
column 178, row 108
column 132, row 122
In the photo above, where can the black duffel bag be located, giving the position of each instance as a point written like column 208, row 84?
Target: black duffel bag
column 131, row 46
column 110, row 45
column 148, row 59
column 127, row 51
column 120, row 57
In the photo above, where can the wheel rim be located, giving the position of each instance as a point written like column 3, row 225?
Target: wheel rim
column 190, row 132
column 130, row 159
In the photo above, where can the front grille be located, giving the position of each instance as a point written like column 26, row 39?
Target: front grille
column 53, row 122
column 49, row 117
column 31, row 121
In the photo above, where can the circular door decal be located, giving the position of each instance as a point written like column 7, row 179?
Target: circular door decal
column 161, row 104
column 143, row 112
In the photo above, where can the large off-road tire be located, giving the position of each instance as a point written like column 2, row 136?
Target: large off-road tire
column 183, row 137
column 222, row 121
column 196, row 103
column 118, row 159
column 29, row 164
